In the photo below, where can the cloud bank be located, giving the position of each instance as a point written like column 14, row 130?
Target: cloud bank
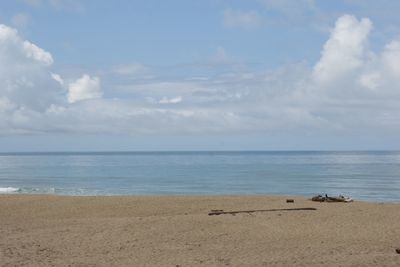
column 350, row 88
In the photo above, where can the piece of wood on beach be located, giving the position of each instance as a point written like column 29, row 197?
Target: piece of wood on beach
column 219, row 212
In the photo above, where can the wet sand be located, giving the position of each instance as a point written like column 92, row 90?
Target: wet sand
column 177, row 231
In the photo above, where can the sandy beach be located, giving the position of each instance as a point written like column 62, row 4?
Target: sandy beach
column 177, row 231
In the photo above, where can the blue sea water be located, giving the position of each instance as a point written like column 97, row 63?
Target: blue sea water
column 371, row 176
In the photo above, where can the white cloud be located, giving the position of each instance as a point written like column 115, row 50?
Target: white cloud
column 371, row 80
column 36, row 53
column 391, row 58
column 57, row 78
column 84, row 88
column 24, row 76
column 13, row 44
column 241, row 19
column 174, row 100
column 345, row 50
column 28, row 87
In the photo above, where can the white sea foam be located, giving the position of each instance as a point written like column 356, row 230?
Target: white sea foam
column 5, row 190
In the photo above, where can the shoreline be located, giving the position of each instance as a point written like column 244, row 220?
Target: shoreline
column 48, row 230
column 16, row 194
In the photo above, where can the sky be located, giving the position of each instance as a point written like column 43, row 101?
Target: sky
column 81, row 75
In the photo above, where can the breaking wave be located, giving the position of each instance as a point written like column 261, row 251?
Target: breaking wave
column 9, row 190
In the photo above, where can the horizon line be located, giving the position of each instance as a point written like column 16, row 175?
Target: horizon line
column 189, row 151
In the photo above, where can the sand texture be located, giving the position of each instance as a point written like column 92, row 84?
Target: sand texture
column 177, row 231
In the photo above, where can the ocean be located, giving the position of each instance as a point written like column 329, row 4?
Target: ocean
column 371, row 176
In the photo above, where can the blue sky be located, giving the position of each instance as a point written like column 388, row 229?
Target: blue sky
column 190, row 75
column 156, row 32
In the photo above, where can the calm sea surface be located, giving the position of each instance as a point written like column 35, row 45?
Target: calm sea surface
column 372, row 176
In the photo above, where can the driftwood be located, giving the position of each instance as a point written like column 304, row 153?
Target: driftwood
column 219, row 212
